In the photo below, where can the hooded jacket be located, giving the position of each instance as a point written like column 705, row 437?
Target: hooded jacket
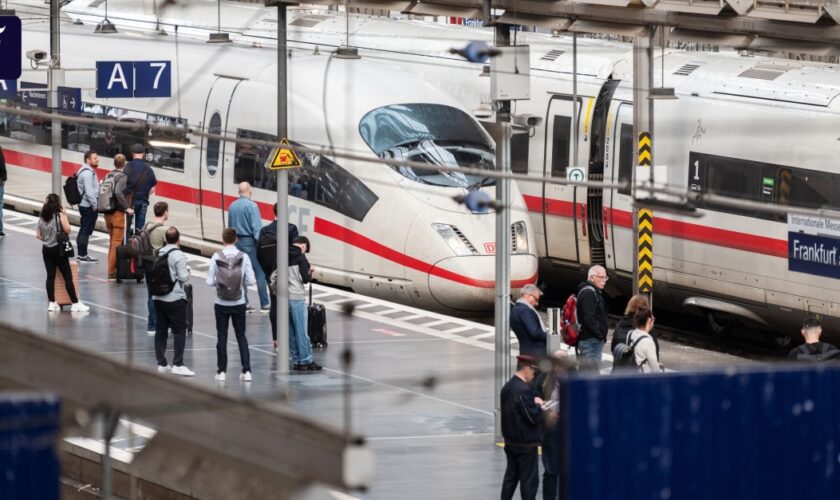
column 591, row 312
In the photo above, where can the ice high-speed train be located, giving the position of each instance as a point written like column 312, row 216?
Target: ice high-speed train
column 754, row 128
column 387, row 231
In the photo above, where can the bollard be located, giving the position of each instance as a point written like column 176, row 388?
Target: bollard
column 554, row 341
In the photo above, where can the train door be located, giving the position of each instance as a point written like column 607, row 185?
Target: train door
column 622, row 160
column 216, row 112
column 559, row 201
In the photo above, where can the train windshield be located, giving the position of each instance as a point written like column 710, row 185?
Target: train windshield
column 433, row 134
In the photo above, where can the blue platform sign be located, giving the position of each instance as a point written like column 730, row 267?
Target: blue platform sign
column 814, row 245
column 133, row 79
column 153, row 79
column 8, row 89
column 33, row 94
column 70, row 99
column 114, row 79
column 10, row 48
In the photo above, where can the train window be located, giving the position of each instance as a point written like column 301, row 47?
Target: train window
column 626, row 156
column 734, row 179
column 249, row 164
column 433, row 134
column 324, row 182
column 214, row 145
column 560, row 145
column 162, row 156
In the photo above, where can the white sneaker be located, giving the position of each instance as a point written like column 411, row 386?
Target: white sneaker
column 79, row 307
column 53, row 307
column 164, row 369
column 220, row 377
column 245, row 377
column 182, row 371
column 150, row 332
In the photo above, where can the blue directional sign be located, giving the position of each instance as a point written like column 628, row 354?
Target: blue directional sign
column 817, row 255
column 33, row 94
column 70, row 99
column 114, row 79
column 133, row 79
column 8, row 89
column 10, row 48
column 153, row 79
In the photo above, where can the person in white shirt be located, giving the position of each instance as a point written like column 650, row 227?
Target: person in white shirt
column 645, row 350
column 230, row 273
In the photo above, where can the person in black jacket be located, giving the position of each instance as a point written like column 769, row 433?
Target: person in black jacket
column 592, row 316
column 626, row 323
column 527, row 324
column 813, row 350
column 522, row 426
column 3, row 178
column 267, row 244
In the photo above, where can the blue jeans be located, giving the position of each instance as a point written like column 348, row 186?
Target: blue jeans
column 86, row 227
column 2, row 193
column 248, row 245
column 299, row 345
column 140, row 207
column 589, row 353
column 152, row 320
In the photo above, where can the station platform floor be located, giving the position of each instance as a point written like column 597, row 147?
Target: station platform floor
column 421, row 385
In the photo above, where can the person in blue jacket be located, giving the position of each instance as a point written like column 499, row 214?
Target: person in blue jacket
column 527, row 324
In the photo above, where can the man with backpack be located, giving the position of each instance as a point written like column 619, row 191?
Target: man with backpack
column 88, row 186
column 592, row 316
column 155, row 233
column 814, row 351
column 140, row 184
column 113, row 203
column 166, row 280
column 267, row 244
column 230, row 273
column 527, row 324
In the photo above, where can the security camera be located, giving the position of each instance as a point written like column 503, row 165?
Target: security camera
column 529, row 121
column 36, row 55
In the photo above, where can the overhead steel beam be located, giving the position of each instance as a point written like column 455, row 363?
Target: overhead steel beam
column 273, row 438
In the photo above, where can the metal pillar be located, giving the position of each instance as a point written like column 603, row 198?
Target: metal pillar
column 56, row 77
column 574, row 102
column 282, row 200
column 110, row 419
column 502, row 304
column 643, row 128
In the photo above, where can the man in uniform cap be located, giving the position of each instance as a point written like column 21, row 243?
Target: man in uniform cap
column 522, row 427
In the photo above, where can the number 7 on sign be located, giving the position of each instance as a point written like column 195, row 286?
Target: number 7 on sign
column 160, row 66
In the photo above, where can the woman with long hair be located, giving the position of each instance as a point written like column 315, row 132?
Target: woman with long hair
column 52, row 220
column 628, row 322
column 645, row 350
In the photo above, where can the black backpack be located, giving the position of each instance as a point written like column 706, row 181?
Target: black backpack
column 158, row 278
column 71, row 190
column 826, row 352
column 624, row 355
column 267, row 251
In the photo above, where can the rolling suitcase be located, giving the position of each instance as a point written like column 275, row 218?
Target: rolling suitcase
column 189, row 291
column 130, row 257
column 316, row 323
column 62, row 298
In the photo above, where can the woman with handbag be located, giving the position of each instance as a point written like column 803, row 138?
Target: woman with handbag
column 54, row 231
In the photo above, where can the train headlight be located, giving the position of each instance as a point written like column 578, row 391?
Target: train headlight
column 455, row 239
column 519, row 237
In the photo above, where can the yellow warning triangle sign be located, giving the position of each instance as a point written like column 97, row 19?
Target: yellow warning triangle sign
column 284, row 157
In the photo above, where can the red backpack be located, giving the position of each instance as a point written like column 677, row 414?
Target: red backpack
column 569, row 324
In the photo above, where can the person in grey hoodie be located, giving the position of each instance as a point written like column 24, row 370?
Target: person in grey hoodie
column 88, row 185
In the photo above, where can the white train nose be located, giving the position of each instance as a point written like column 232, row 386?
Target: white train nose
column 467, row 283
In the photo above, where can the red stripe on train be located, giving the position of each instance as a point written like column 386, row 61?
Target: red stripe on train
column 324, row 227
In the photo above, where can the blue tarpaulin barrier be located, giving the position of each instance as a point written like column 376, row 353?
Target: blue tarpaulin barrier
column 29, row 431
column 766, row 433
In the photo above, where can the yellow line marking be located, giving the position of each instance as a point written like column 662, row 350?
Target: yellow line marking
column 588, row 114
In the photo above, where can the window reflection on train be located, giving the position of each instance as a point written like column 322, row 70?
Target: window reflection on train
column 106, row 140
column 319, row 180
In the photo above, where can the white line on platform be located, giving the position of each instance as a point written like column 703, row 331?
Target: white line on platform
column 431, row 436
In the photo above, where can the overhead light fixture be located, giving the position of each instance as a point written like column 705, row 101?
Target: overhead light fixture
column 663, row 92
column 218, row 36
column 105, row 26
column 171, row 143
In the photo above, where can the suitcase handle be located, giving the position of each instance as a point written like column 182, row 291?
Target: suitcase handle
column 310, row 294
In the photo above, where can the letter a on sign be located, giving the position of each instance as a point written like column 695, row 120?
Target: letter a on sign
column 114, row 79
column 284, row 158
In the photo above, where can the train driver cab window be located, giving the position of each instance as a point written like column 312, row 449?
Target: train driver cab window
column 250, row 162
column 560, row 145
column 434, row 134
column 214, row 145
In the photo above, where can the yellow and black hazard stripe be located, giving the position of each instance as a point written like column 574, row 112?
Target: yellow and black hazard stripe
column 645, row 222
column 645, row 149
column 645, row 250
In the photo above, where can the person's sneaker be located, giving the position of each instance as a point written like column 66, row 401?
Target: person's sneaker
column 313, row 367
column 2, row 234
column 265, row 310
column 245, row 377
column 87, row 258
column 182, row 371
column 112, row 277
column 220, row 376
column 250, row 310
column 150, row 332
column 79, row 307
column 53, row 307
column 164, row 369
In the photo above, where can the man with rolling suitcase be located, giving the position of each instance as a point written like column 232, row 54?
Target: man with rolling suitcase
column 112, row 202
